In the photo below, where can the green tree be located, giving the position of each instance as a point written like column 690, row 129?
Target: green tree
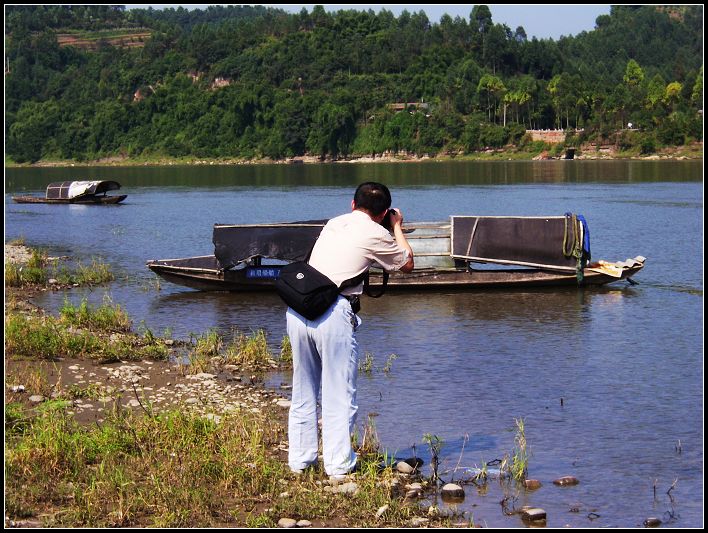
column 634, row 79
column 555, row 88
column 656, row 89
column 333, row 131
column 672, row 94
column 697, row 91
column 106, row 129
column 462, row 81
column 32, row 130
column 633, row 75
column 288, row 135
column 496, row 47
column 480, row 24
column 494, row 89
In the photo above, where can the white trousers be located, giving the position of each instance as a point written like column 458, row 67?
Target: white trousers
column 325, row 356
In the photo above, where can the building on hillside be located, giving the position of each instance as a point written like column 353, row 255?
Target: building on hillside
column 403, row 106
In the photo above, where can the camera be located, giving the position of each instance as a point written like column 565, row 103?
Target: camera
column 387, row 221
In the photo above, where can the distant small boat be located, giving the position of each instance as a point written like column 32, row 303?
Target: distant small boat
column 75, row 192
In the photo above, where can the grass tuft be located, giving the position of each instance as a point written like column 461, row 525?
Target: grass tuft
column 107, row 317
column 39, row 269
column 170, row 470
column 249, row 350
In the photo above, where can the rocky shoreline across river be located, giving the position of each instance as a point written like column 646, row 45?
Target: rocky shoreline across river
column 586, row 152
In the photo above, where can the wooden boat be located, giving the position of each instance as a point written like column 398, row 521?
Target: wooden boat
column 75, row 192
column 203, row 273
column 519, row 252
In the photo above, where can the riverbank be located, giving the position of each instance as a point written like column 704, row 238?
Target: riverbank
column 105, row 427
column 586, row 152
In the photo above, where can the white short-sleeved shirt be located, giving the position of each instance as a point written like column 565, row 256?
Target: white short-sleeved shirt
column 349, row 244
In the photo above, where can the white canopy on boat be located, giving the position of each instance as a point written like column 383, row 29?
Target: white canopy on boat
column 68, row 190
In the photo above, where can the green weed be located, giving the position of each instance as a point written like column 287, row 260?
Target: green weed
column 133, row 470
column 39, row 270
column 286, row 351
column 249, row 350
column 520, row 458
column 389, row 363
column 366, row 366
column 107, row 317
column 435, row 444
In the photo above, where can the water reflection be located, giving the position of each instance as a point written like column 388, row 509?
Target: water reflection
column 348, row 175
column 222, row 311
column 565, row 309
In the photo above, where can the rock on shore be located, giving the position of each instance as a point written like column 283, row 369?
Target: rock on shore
column 17, row 253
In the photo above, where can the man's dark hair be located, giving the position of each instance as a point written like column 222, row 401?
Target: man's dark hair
column 373, row 197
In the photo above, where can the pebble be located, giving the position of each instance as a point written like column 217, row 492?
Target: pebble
column 533, row 514
column 566, row 481
column 532, row 484
column 652, row 522
column 202, row 376
column 418, row 521
column 36, row 398
column 453, row 492
column 303, row 523
column 346, row 488
column 404, row 468
column 287, row 522
column 18, row 388
column 381, row 511
column 285, row 404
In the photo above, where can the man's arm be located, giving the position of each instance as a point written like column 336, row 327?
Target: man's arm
column 397, row 223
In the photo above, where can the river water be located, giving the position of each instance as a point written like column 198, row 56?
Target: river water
column 608, row 381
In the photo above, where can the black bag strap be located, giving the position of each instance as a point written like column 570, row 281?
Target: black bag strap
column 367, row 288
column 353, row 282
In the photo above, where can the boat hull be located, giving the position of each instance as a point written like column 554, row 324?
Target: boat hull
column 202, row 273
column 89, row 200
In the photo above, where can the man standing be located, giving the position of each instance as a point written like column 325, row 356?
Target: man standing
column 325, row 351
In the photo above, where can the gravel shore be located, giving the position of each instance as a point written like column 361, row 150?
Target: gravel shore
column 16, row 253
column 157, row 385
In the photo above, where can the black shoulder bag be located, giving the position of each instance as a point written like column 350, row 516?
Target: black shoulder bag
column 309, row 292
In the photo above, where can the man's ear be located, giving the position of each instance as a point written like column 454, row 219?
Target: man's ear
column 379, row 219
column 353, row 205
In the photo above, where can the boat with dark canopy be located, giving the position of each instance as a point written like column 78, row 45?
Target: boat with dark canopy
column 515, row 251
column 76, row 192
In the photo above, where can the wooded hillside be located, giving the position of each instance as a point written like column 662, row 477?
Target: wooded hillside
column 251, row 82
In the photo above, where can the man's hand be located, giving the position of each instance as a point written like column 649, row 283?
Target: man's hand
column 396, row 217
